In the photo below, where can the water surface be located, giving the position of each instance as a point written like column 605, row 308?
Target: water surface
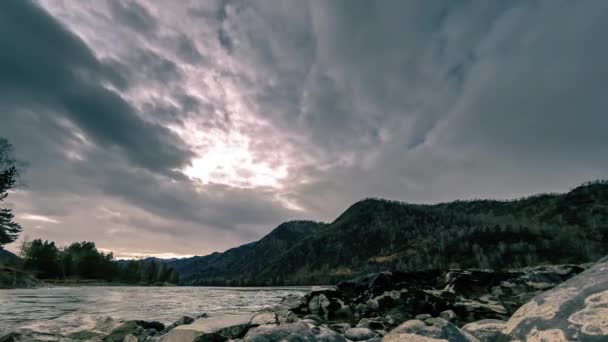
column 64, row 309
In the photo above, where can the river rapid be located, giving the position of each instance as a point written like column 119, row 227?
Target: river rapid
column 65, row 309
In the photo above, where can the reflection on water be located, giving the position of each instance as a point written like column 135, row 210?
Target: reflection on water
column 61, row 309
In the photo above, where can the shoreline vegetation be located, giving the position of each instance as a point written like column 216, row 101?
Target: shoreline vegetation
column 80, row 264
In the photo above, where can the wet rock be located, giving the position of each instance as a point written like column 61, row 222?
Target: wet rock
column 574, row 310
column 263, row 318
column 85, row 335
column 158, row 326
column 127, row 328
column 486, row 330
column 182, row 321
column 210, row 329
column 359, row 334
column 435, row 328
column 291, row 332
column 422, row 317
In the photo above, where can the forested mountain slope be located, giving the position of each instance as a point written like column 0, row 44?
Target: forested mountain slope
column 376, row 234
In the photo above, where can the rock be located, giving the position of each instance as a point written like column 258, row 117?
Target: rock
column 340, row 327
column 291, row 332
column 373, row 324
column 318, row 304
column 486, row 330
column 85, row 335
column 437, row 329
column 106, row 324
column 286, row 316
column 422, row 317
column 405, row 337
column 575, row 310
column 359, row 334
column 292, row 302
column 210, row 329
column 182, row 321
column 484, row 307
column 158, row 326
column 127, row 328
column 448, row 315
column 129, row 338
column 10, row 337
column 315, row 318
column 263, row 318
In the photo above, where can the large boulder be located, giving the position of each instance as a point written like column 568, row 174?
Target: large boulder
column 215, row 328
column 576, row 310
column 433, row 328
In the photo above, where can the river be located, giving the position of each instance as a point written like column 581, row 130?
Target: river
column 64, row 309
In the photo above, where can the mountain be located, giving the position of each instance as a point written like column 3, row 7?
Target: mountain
column 240, row 265
column 7, row 257
column 374, row 235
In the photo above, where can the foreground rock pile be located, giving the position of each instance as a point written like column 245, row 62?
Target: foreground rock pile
column 467, row 306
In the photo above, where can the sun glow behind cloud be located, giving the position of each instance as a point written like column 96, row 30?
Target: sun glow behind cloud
column 227, row 158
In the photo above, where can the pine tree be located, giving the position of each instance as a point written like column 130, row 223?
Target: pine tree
column 9, row 230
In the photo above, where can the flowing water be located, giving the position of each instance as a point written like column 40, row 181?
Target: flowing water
column 63, row 309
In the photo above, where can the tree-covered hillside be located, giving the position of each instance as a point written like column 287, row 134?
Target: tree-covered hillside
column 376, row 234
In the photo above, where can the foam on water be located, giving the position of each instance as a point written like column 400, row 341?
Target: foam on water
column 68, row 309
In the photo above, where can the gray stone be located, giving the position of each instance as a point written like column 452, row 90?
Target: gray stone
column 438, row 329
column 299, row 332
column 359, row 334
column 182, row 321
column 292, row 302
column 373, row 324
column 264, row 318
column 340, row 327
column 286, row 316
column 127, row 328
column 315, row 318
column 575, row 310
column 448, row 315
column 486, row 330
column 422, row 317
column 210, row 329
column 129, row 338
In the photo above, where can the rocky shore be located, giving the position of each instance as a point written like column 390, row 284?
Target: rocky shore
column 545, row 303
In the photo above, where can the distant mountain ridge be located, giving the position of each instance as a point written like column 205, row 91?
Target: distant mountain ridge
column 374, row 235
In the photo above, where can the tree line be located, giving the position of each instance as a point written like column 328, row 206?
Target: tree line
column 82, row 260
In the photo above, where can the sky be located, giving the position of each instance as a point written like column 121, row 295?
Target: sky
column 176, row 128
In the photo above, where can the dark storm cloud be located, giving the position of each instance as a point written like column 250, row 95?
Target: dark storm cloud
column 49, row 66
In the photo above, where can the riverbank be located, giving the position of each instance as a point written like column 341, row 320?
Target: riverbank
column 548, row 303
column 15, row 278
column 11, row 278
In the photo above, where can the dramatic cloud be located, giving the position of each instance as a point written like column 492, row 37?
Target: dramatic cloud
column 180, row 128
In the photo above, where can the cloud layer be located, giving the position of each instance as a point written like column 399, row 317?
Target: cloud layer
column 187, row 127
